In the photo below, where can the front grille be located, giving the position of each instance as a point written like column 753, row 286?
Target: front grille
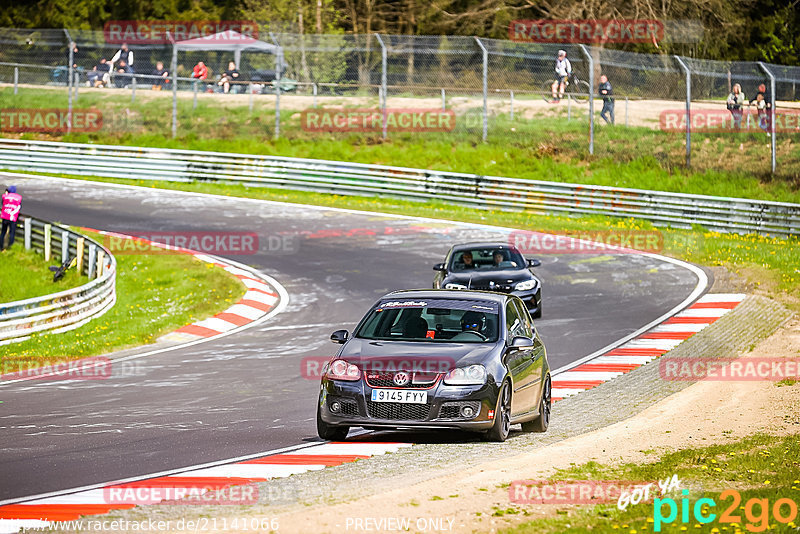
column 497, row 288
column 386, row 380
column 398, row 411
column 452, row 410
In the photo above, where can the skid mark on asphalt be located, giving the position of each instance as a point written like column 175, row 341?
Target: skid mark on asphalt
column 645, row 347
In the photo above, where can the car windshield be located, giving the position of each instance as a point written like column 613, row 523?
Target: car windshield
column 432, row 320
column 487, row 259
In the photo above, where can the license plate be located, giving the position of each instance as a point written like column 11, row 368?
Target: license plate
column 404, row 396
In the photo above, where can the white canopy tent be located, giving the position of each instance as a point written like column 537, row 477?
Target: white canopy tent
column 226, row 41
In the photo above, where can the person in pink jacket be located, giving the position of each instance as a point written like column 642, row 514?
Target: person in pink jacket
column 12, row 202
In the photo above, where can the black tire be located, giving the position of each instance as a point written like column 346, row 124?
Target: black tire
column 330, row 432
column 541, row 423
column 580, row 91
column 502, row 416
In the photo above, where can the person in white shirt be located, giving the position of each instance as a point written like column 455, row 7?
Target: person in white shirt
column 123, row 54
column 563, row 71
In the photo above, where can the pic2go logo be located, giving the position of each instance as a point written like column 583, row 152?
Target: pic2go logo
column 756, row 511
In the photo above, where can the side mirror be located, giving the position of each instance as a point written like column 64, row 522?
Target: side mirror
column 534, row 263
column 439, row 267
column 521, row 342
column 340, row 336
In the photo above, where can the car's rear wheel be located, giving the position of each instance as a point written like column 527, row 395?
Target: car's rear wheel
column 330, row 432
column 502, row 416
column 541, row 423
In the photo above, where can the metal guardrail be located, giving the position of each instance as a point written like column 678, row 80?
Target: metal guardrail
column 65, row 310
column 488, row 192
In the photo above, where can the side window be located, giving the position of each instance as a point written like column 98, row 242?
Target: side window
column 513, row 321
column 527, row 327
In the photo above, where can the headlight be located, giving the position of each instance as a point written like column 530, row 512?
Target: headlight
column 341, row 370
column 526, row 285
column 473, row 375
column 455, row 286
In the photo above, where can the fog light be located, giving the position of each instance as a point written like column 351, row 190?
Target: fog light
column 336, row 407
column 467, row 411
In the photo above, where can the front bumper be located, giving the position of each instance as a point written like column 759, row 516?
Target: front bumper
column 442, row 410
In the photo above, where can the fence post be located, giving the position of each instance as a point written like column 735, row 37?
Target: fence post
column 383, row 85
column 16, row 79
column 444, row 101
column 194, row 90
column 250, row 96
column 688, row 110
column 174, row 68
column 64, row 246
column 77, row 84
column 591, row 96
column 626, row 111
column 69, row 89
column 314, row 88
column 92, row 260
column 133, row 89
column 773, row 105
column 278, row 67
column 28, row 234
column 79, row 253
column 47, row 242
column 512, row 104
column 485, row 88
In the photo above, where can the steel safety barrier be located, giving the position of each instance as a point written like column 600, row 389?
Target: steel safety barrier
column 65, row 310
column 678, row 210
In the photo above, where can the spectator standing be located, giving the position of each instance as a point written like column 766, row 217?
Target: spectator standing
column 228, row 77
column 123, row 54
column 735, row 104
column 563, row 71
column 12, row 202
column 608, row 100
column 162, row 74
column 763, row 102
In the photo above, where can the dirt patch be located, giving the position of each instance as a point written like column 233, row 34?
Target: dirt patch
column 703, row 414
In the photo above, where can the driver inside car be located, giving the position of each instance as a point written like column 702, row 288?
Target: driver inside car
column 473, row 321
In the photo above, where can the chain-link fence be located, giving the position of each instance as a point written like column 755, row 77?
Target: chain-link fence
column 443, row 87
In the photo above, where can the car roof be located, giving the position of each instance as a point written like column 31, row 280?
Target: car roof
column 482, row 244
column 464, row 294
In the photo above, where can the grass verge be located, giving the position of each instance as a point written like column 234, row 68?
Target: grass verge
column 156, row 294
column 542, row 146
column 763, row 469
column 24, row 274
column 768, row 264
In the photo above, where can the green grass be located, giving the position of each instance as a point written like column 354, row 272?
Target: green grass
column 758, row 467
column 156, row 294
column 24, row 274
column 542, row 147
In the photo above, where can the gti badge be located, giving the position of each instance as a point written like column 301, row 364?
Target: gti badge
column 401, row 378
column 491, row 284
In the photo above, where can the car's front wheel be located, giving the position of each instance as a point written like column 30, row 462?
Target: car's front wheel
column 502, row 416
column 541, row 423
column 330, row 432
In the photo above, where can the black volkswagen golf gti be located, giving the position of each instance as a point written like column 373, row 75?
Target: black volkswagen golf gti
column 491, row 267
column 470, row 360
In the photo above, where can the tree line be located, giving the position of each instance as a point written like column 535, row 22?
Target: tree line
column 753, row 30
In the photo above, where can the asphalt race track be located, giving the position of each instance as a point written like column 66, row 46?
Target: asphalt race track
column 244, row 393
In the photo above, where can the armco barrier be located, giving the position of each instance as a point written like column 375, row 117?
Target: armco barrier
column 662, row 208
column 68, row 309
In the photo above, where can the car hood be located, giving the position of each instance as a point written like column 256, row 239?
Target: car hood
column 439, row 357
column 499, row 277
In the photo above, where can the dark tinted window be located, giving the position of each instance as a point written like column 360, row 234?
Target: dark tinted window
column 432, row 320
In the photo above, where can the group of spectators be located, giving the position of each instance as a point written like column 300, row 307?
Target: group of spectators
column 735, row 102
column 226, row 79
column 118, row 69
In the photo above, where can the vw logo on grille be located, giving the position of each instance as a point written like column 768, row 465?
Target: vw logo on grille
column 401, row 378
